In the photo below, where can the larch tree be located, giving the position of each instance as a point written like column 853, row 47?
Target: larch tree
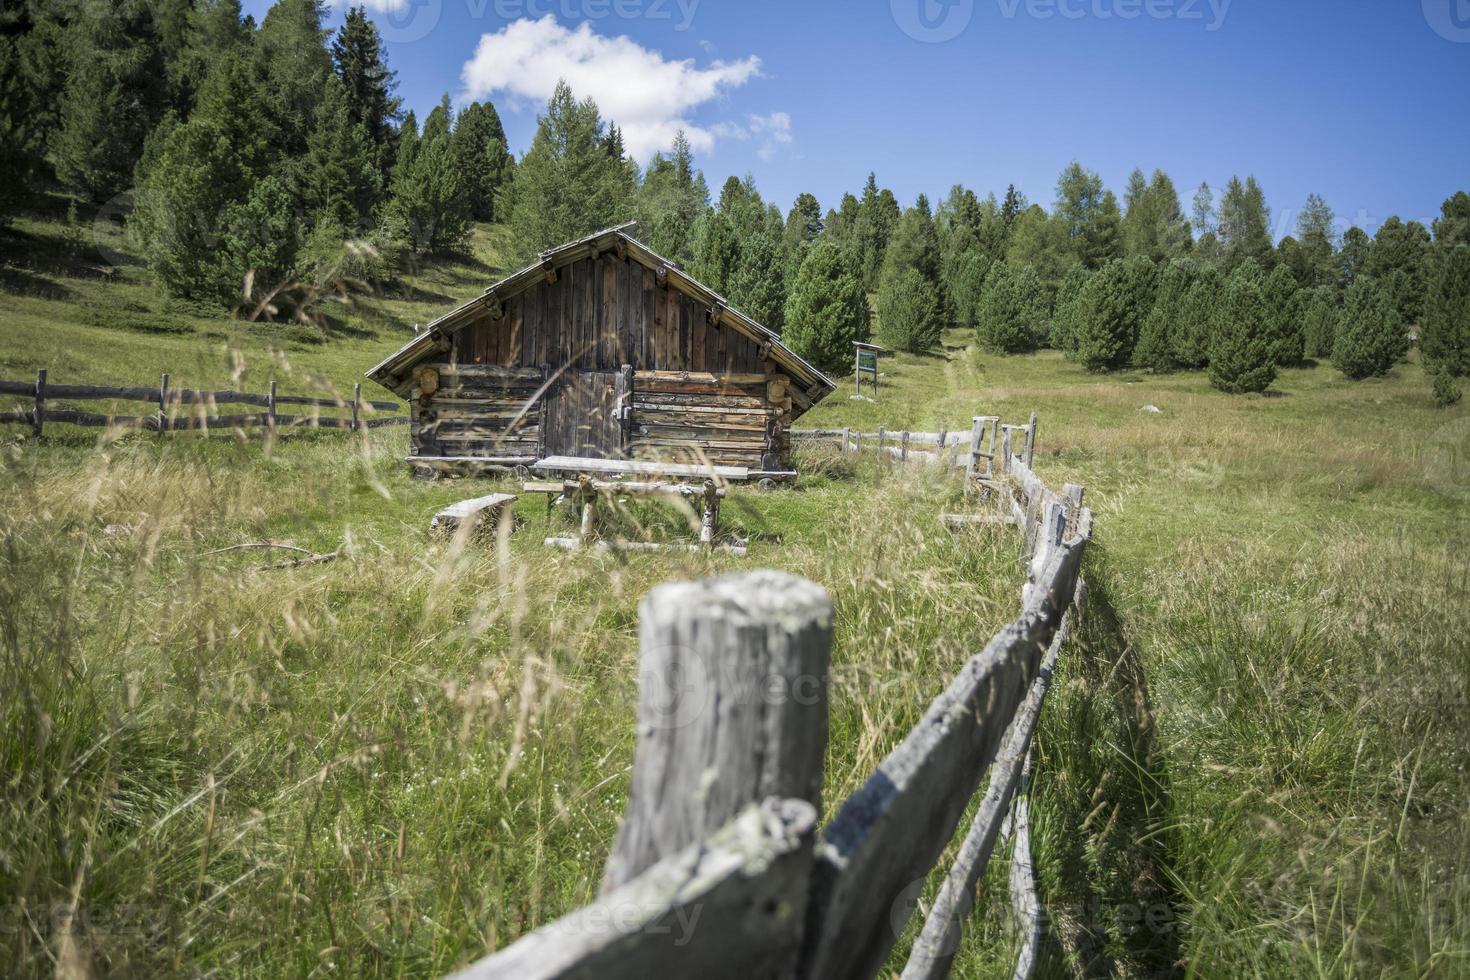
column 716, row 251
column 1245, row 224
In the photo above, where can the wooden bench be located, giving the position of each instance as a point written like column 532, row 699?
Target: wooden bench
column 585, row 491
column 473, row 512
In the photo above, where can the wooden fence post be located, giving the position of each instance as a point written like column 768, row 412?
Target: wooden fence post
column 1030, row 440
column 939, row 452
column 1005, row 450
column 163, row 404
column 709, row 523
column 270, row 409
column 882, row 438
column 356, row 400
column 732, row 709
column 38, row 415
column 903, row 451
column 846, row 433
column 977, row 433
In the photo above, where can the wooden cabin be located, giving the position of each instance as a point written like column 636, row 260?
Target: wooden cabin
column 601, row 350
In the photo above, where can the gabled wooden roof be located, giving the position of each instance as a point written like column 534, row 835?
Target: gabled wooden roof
column 811, row 384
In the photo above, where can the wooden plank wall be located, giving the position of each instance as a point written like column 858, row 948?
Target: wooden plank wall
column 600, row 314
column 476, row 410
column 604, row 312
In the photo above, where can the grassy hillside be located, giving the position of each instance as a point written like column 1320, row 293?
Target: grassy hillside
column 1253, row 762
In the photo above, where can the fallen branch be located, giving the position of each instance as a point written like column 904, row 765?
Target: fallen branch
column 255, row 544
column 298, row 562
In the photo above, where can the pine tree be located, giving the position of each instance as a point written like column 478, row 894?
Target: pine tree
column 1067, row 314
column 1400, row 258
column 1445, row 333
column 1353, row 258
column 908, row 312
column 1014, row 204
column 758, row 287
column 32, row 76
column 259, row 244
column 1116, row 300
column 339, row 175
column 803, row 225
column 967, row 286
column 567, row 185
column 1371, row 337
column 357, row 56
column 180, row 210
column 1012, row 315
column 215, row 28
column 1283, row 313
column 826, row 309
column 1192, row 335
column 1156, row 337
column 914, row 244
column 1240, row 356
column 1452, row 227
column 1319, row 326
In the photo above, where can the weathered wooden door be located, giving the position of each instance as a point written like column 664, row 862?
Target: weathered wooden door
column 582, row 416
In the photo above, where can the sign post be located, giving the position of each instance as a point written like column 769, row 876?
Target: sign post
column 865, row 365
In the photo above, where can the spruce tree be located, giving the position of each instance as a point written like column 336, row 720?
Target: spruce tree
column 429, row 202
column 758, row 288
column 293, row 60
column 1444, row 336
column 1011, row 314
column 1371, row 336
column 1240, row 355
column 32, row 76
column 1399, row 258
column 876, row 217
column 914, row 244
column 908, row 312
column 1352, row 260
column 116, row 90
column 481, row 157
column 1245, row 224
column 339, row 175
column 826, row 308
column 357, row 56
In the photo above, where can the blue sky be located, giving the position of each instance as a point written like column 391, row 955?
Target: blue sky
column 1362, row 101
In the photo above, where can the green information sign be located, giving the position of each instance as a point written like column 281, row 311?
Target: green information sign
column 867, row 360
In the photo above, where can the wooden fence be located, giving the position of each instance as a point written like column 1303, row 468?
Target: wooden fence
column 968, row 447
column 173, row 416
column 720, row 868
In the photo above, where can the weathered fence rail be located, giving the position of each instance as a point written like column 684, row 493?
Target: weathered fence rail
column 719, row 868
column 970, row 447
column 171, row 415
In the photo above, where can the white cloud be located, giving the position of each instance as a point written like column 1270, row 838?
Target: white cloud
column 377, row 6
column 648, row 96
column 772, row 130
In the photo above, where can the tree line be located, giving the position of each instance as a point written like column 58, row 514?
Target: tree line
column 264, row 157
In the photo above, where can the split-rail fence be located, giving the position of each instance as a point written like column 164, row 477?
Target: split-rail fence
column 180, row 409
column 720, row 867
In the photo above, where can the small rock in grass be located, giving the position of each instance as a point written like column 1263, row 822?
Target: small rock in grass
column 1152, row 410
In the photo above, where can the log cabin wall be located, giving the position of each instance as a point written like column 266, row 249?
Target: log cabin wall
column 700, row 390
column 476, row 410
